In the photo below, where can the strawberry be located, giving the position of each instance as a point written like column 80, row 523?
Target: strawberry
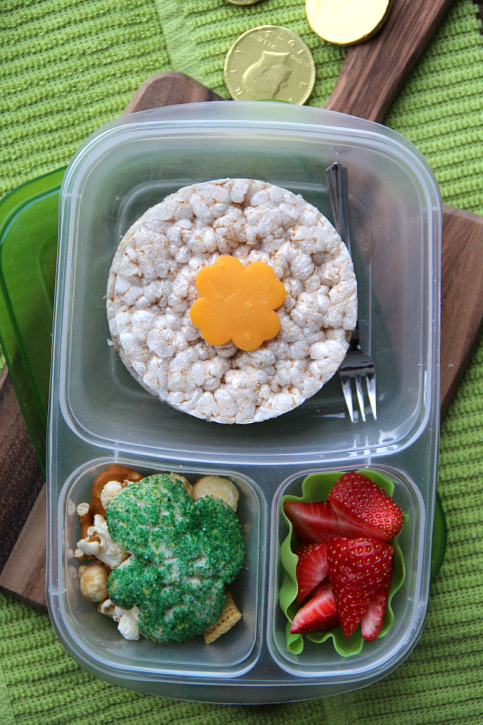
column 373, row 617
column 357, row 568
column 319, row 614
column 313, row 523
column 312, row 568
column 363, row 509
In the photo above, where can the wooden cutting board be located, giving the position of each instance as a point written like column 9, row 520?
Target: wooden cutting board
column 371, row 76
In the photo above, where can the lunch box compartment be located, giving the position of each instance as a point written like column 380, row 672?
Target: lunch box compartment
column 322, row 660
column 132, row 164
column 96, row 635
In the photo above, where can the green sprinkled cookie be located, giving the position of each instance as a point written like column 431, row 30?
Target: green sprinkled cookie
column 183, row 554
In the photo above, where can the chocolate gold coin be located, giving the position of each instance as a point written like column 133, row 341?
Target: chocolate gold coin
column 242, row 2
column 346, row 22
column 270, row 63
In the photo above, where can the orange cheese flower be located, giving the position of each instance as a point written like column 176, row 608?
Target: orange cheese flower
column 237, row 303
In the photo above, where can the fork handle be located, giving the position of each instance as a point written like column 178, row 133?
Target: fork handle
column 354, row 344
column 338, row 181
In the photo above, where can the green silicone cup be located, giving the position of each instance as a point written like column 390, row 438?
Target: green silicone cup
column 316, row 487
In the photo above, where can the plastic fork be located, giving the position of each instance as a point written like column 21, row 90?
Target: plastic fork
column 357, row 364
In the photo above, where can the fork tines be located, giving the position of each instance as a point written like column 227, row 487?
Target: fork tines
column 371, row 393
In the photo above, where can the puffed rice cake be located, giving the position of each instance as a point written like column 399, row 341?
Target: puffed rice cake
column 152, row 285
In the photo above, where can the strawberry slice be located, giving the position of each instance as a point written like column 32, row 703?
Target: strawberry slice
column 313, row 523
column 319, row 614
column 371, row 622
column 363, row 509
column 357, row 568
column 312, row 568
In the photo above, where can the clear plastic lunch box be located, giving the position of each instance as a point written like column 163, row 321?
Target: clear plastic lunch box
column 100, row 415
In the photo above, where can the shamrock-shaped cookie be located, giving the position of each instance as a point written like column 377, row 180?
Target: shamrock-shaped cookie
column 183, row 554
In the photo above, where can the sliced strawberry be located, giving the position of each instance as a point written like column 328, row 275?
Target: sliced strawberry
column 363, row 509
column 312, row 568
column 313, row 523
column 373, row 618
column 357, row 568
column 319, row 614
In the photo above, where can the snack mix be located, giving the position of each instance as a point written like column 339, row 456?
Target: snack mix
column 163, row 552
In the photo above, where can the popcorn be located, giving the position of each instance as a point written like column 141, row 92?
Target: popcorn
column 152, row 286
column 127, row 619
column 98, row 543
column 111, row 490
column 187, row 562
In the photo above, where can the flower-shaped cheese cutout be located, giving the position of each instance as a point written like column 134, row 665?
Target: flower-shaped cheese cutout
column 237, row 303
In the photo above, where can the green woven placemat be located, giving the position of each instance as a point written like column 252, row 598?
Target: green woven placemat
column 70, row 65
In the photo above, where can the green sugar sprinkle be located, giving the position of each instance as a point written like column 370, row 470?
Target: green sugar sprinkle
column 183, row 553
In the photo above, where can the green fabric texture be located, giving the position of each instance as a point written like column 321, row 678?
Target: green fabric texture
column 70, row 65
column 67, row 67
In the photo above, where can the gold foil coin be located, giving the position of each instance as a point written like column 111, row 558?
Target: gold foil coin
column 242, row 2
column 269, row 63
column 346, row 22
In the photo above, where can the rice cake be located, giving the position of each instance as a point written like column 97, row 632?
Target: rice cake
column 152, row 285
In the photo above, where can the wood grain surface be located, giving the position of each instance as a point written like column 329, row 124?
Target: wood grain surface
column 22, row 566
column 169, row 88
column 22, row 514
column 372, row 72
column 461, row 295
